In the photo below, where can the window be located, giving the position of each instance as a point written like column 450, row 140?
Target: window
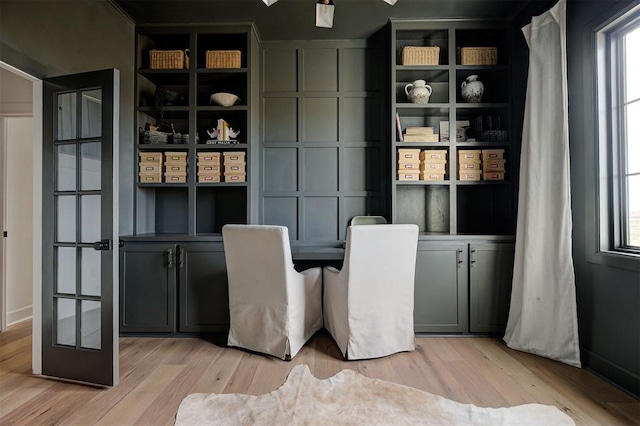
column 619, row 192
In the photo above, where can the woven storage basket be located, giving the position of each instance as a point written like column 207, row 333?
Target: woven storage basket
column 223, row 58
column 478, row 56
column 168, row 59
column 420, row 55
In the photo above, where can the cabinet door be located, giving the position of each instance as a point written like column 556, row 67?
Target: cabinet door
column 441, row 288
column 491, row 272
column 204, row 294
column 147, row 288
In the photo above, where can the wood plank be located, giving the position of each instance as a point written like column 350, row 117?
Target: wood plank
column 158, row 372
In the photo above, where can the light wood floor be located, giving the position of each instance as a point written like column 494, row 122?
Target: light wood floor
column 156, row 373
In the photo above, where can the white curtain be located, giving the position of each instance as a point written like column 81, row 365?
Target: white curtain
column 542, row 317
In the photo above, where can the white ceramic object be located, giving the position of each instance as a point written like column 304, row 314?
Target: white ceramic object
column 224, row 99
column 472, row 89
column 419, row 93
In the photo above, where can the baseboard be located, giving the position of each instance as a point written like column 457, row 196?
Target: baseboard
column 19, row 315
column 618, row 376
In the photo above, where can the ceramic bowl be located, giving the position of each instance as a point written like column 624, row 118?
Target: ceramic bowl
column 224, row 99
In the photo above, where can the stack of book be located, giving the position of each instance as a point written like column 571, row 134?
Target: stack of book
column 420, row 134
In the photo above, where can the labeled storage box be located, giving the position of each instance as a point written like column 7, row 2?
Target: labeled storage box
column 433, row 155
column 492, row 154
column 152, row 157
column 235, row 157
column 431, row 167
column 478, row 56
column 409, row 167
column 409, row 175
column 235, row 177
column 234, row 168
column 431, row 176
column 493, row 176
column 420, row 55
column 175, row 178
column 493, row 165
column 175, row 157
column 209, row 158
column 208, row 177
column 209, row 168
column 175, row 168
column 469, row 175
column 470, row 165
column 222, row 58
column 469, row 155
column 168, row 59
column 408, row 156
column 150, row 168
column 150, row 177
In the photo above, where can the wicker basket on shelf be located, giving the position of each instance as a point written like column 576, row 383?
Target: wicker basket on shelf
column 168, row 59
column 478, row 55
column 223, row 59
column 420, row 55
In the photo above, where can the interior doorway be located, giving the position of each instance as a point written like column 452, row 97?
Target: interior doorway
column 21, row 117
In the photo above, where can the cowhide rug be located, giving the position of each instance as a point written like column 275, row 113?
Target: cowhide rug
column 349, row 398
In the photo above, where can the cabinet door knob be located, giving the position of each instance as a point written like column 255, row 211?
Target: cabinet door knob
column 170, row 258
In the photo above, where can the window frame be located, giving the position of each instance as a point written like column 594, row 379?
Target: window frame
column 607, row 244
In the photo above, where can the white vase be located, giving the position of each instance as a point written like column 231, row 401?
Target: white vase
column 472, row 89
column 418, row 92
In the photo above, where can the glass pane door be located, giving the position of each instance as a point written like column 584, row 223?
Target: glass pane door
column 79, row 265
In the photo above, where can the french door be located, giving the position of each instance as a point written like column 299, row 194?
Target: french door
column 80, row 227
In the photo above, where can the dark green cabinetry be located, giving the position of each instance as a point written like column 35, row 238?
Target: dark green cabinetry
column 170, row 287
column 490, row 276
column 148, row 287
column 440, row 304
column 204, row 294
column 462, row 287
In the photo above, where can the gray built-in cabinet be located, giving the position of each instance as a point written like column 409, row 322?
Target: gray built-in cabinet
column 318, row 120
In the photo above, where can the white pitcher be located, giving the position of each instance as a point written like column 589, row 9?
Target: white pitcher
column 419, row 92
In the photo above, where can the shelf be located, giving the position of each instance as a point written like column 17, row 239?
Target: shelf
column 434, row 145
column 163, row 185
column 221, row 184
column 482, row 144
column 422, row 67
column 163, row 147
column 222, row 71
column 482, row 182
column 222, row 108
column 214, row 147
column 423, row 182
column 166, row 77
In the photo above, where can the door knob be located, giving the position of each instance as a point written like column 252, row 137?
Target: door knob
column 102, row 245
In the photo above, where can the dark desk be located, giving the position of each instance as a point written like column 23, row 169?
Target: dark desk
column 305, row 257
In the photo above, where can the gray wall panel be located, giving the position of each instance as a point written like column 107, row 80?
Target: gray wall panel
column 320, row 70
column 280, row 120
column 360, row 70
column 339, row 163
column 280, row 70
column 282, row 211
column 320, row 169
column 280, row 169
column 320, row 220
column 360, row 164
column 320, row 120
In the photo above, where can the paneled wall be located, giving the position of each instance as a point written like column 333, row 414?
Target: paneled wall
column 322, row 136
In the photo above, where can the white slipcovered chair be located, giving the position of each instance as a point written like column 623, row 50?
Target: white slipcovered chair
column 368, row 304
column 273, row 308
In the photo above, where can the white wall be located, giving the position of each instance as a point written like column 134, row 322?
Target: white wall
column 19, row 207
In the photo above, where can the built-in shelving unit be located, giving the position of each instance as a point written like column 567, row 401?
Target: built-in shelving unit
column 452, row 206
column 195, row 207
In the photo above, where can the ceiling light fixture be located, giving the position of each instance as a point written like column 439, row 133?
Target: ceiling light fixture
column 270, row 2
column 324, row 13
column 391, row 2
